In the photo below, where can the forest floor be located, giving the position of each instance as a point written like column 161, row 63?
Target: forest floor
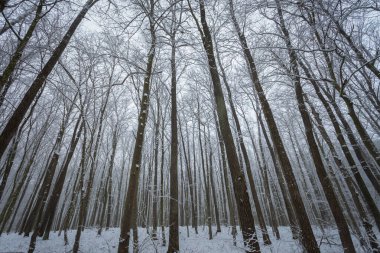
column 222, row 242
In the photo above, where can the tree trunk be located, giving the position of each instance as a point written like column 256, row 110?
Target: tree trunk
column 34, row 219
column 244, row 152
column 210, row 169
column 162, row 188
column 82, row 193
column 240, row 188
column 57, row 190
column 264, row 169
column 109, row 185
column 155, row 185
column 190, row 179
column 129, row 202
column 231, row 205
column 306, row 233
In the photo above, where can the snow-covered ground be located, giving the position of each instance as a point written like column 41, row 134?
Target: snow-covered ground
column 222, row 242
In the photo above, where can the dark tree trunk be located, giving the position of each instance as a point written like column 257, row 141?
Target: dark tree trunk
column 231, row 205
column 190, row 179
column 215, row 200
column 109, row 183
column 82, row 192
column 34, row 219
column 173, row 215
column 306, row 233
column 240, row 188
column 162, row 189
column 130, row 202
column 264, row 169
column 57, row 190
column 155, row 179
column 206, row 179
column 244, row 152
column 173, row 209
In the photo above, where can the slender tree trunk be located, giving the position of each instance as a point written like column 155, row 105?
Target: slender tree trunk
column 109, row 184
column 240, row 188
column 173, row 216
column 231, row 205
column 190, row 180
column 244, row 152
column 34, row 219
column 135, row 240
column 155, row 185
column 173, row 210
column 195, row 187
column 120, row 190
column 29, row 206
column 60, row 221
column 281, row 181
column 82, row 193
column 162, row 188
column 264, row 169
column 70, row 211
column 98, row 201
column 130, row 202
column 103, row 208
column 218, row 229
column 57, row 190
column 206, row 179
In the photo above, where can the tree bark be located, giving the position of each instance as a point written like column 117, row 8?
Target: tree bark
column 130, row 202
column 244, row 152
column 240, row 188
column 57, row 190
column 306, row 233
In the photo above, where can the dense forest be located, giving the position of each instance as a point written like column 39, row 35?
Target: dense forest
column 258, row 119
